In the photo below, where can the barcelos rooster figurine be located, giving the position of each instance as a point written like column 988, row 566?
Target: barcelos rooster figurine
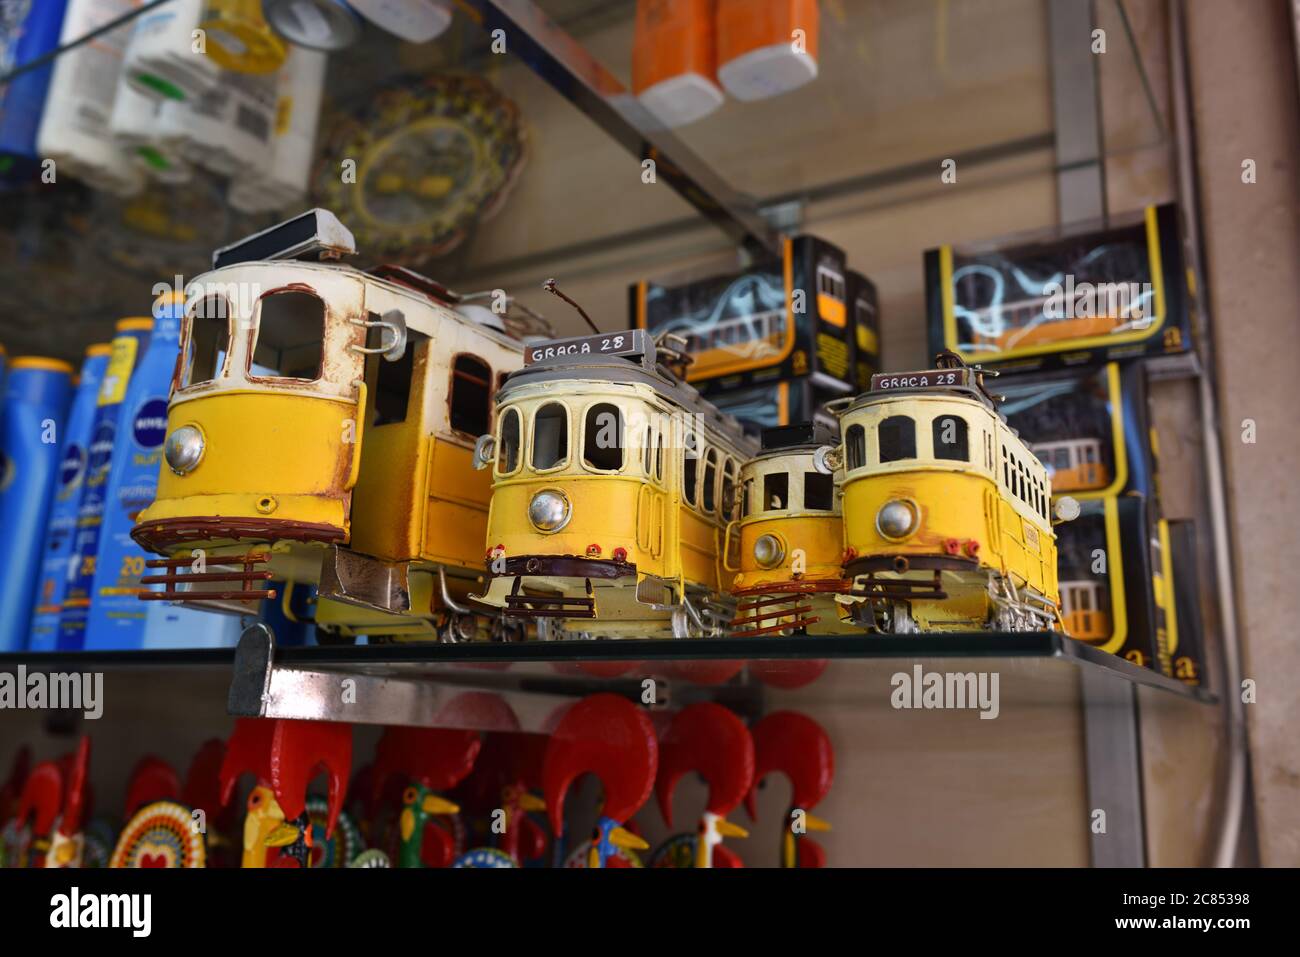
column 10, row 794
column 709, row 739
column 610, row 737
column 800, row 747
column 56, row 793
column 431, row 761
column 202, row 795
column 501, row 791
column 160, row 831
column 285, row 755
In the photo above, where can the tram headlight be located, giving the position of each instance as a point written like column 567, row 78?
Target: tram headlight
column 549, row 510
column 184, row 449
column 768, row 551
column 897, row 519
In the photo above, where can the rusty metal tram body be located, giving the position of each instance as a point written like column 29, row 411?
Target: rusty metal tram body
column 947, row 513
column 320, row 431
column 620, row 538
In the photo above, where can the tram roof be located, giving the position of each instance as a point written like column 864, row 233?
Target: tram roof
column 638, row 364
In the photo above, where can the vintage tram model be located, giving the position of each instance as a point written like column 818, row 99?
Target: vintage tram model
column 320, row 430
column 613, row 486
column 787, row 566
column 947, row 514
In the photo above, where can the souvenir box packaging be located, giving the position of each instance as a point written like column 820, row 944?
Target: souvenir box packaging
column 769, row 404
column 864, row 311
column 1089, row 426
column 1080, row 294
column 779, row 319
column 1106, row 581
column 1184, row 623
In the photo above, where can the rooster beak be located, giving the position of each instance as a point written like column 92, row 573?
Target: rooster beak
column 433, row 804
column 622, row 837
column 531, row 802
column 727, row 829
column 284, row 835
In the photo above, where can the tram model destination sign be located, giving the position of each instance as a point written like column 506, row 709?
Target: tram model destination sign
column 927, row 379
column 629, row 343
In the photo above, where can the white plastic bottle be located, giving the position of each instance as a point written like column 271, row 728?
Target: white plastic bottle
column 75, row 128
column 284, row 180
column 135, row 127
column 416, row 21
column 161, row 59
column 228, row 129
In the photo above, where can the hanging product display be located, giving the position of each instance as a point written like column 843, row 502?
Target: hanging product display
column 118, row 620
column 674, row 60
column 37, row 394
column 416, row 21
column 75, row 131
column 163, row 59
column 62, row 526
column 325, row 25
column 128, row 345
column 766, row 47
column 428, row 159
column 135, row 127
column 285, row 180
column 28, row 30
column 238, row 37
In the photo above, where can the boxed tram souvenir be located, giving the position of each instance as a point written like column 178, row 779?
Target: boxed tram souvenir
column 1085, row 293
column 768, row 404
column 1089, row 427
column 1106, row 582
column 864, row 311
column 780, row 318
column 1182, row 601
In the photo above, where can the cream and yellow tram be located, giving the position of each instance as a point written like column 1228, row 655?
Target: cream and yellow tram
column 947, row 514
column 613, row 484
column 320, row 430
column 787, row 561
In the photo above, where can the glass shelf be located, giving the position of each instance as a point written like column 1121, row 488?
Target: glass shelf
column 1044, row 655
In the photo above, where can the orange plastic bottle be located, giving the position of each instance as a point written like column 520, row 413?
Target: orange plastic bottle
column 766, row 47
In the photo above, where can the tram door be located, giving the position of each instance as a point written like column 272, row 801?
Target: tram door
column 388, row 504
column 652, row 500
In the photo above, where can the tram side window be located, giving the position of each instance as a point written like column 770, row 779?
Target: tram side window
column 550, row 436
column 602, row 438
column 818, row 492
column 290, row 336
column 776, row 491
column 648, row 452
column 471, row 395
column 508, row 447
column 659, row 456
column 393, row 387
column 709, row 495
column 690, row 469
column 897, row 436
column 950, row 438
column 208, row 342
column 746, row 499
column 729, row 486
column 855, row 446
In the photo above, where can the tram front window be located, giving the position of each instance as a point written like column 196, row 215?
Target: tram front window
column 550, row 436
column 208, row 343
column 289, row 338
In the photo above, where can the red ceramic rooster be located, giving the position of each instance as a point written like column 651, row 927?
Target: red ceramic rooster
column 608, row 736
column 506, row 774
column 161, row 831
column 707, row 738
column 152, row 779
column 54, row 797
column 285, row 755
column 798, row 746
column 430, row 760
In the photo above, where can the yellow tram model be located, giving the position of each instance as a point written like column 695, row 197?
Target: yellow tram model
column 320, row 430
column 788, row 561
column 1075, row 465
column 947, row 514
column 613, row 484
column 1085, row 609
